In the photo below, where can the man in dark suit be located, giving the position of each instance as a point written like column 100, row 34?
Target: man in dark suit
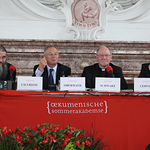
column 145, row 71
column 5, row 66
column 50, row 69
column 103, row 57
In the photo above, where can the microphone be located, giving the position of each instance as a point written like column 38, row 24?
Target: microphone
column 11, row 69
column 110, row 71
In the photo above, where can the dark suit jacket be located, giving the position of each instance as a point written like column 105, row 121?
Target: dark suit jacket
column 91, row 72
column 147, row 147
column 145, row 73
column 13, row 74
column 60, row 68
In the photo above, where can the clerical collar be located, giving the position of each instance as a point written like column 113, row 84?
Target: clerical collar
column 103, row 69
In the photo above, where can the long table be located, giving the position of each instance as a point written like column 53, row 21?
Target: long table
column 123, row 119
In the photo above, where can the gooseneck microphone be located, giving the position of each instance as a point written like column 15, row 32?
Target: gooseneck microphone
column 11, row 69
column 110, row 71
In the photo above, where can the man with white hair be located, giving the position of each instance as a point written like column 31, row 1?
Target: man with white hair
column 103, row 57
column 5, row 73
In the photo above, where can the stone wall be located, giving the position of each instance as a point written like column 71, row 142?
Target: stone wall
column 24, row 54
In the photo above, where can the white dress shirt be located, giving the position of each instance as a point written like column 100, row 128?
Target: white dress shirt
column 38, row 73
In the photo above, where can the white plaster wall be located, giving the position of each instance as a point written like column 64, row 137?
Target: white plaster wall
column 41, row 22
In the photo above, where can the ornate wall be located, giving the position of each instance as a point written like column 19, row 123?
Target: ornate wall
column 76, row 28
column 24, row 54
column 97, row 20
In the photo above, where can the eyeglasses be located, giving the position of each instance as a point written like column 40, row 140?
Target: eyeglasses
column 3, row 57
column 101, row 56
column 50, row 54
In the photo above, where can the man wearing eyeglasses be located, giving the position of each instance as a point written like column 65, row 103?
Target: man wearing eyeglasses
column 50, row 69
column 103, row 57
column 4, row 66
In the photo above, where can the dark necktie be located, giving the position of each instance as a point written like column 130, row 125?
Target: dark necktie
column 51, row 80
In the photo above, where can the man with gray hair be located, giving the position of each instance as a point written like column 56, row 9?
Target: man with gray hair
column 5, row 72
column 103, row 57
column 50, row 69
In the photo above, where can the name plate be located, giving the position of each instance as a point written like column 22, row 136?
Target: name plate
column 141, row 84
column 26, row 83
column 107, row 84
column 72, row 83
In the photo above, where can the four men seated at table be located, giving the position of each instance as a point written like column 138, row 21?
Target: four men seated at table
column 51, row 70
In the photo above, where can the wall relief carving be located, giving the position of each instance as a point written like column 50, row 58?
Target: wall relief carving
column 77, row 19
column 86, row 18
column 124, row 3
column 85, row 14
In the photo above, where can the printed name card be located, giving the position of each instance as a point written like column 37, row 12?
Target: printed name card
column 72, row 83
column 26, row 83
column 141, row 84
column 107, row 84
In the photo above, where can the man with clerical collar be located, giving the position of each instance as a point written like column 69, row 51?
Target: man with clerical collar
column 50, row 69
column 103, row 57
column 5, row 73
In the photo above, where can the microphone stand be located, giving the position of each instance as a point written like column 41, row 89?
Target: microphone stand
column 111, row 73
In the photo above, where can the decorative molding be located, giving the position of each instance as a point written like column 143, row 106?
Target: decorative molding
column 95, row 23
column 35, row 10
column 127, row 3
column 42, row 22
column 131, row 14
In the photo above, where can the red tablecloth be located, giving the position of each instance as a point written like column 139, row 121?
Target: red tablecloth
column 123, row 120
